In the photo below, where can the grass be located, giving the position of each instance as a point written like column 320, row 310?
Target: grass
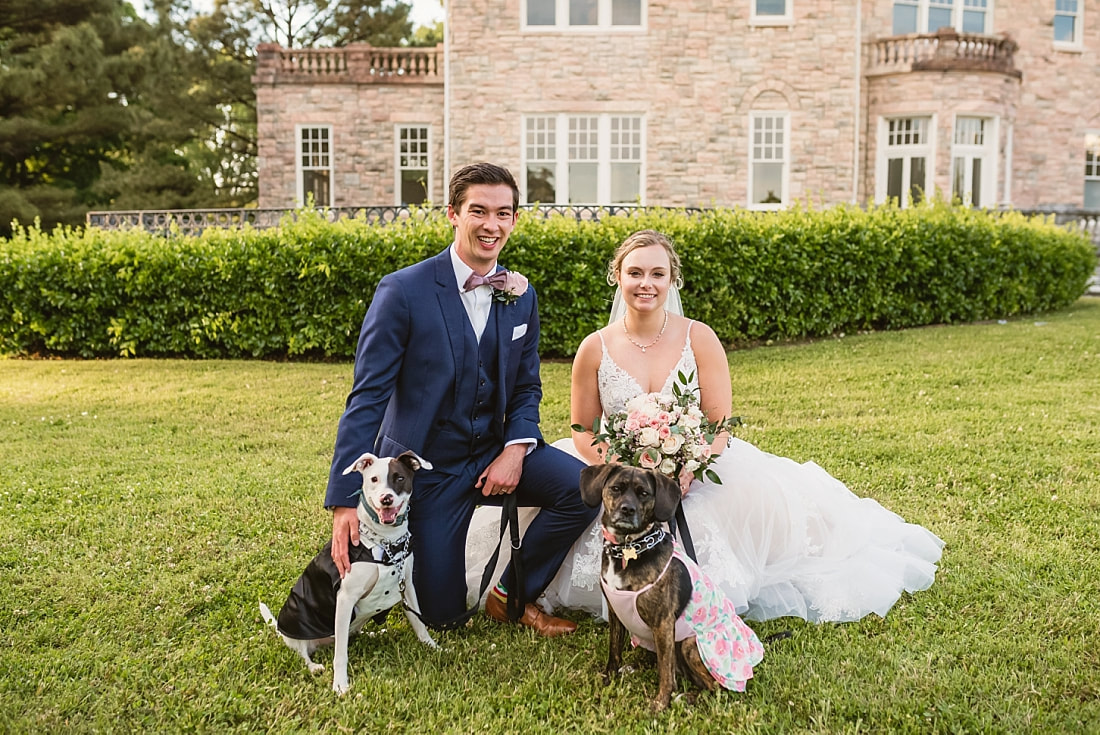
column 147, row 506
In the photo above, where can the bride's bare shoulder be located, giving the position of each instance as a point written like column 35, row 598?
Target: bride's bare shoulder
column 590, row 349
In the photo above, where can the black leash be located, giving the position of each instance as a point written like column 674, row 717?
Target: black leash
column 681, row 525
column 509, row 517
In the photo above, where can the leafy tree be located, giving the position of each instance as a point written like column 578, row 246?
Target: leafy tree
column 317, row 23
column 100, row 108
column 68, row 72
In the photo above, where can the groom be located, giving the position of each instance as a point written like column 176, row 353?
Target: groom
column 448, row 366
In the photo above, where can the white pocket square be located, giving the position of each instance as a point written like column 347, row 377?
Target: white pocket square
column 519, row 331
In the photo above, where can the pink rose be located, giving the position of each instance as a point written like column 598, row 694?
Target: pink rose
column 650, row 459
column 515, row 284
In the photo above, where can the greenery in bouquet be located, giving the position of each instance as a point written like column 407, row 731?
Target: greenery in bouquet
column 668, row 433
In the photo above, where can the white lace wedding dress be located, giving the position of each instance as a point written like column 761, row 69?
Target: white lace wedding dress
column 779, row 537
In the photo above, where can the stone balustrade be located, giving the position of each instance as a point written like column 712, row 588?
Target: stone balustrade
column 945, row 50
column 356, row 63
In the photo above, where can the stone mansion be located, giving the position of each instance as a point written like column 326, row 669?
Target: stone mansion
column 697, row 103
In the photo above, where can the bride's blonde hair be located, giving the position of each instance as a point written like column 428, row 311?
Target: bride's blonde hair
column 641, row 239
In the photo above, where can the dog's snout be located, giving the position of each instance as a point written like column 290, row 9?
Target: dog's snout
column 387, row 501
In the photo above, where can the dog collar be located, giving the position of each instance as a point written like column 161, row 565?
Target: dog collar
column 630, row 551
column 389, row 553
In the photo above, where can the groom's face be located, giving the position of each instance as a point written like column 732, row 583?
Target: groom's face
column 482, row 224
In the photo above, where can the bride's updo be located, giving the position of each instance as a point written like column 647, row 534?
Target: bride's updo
column 641, row 239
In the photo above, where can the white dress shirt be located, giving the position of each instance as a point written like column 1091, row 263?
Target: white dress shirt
column 477, row 301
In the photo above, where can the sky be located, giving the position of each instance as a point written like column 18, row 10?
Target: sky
column 425, row 12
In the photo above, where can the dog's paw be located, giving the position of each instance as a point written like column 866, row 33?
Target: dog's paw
column 340, row 687
column 316, row 668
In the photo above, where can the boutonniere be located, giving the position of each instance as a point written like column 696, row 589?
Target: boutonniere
column 514, row 286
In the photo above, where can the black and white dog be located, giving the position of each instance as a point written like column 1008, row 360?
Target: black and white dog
column 324, row 609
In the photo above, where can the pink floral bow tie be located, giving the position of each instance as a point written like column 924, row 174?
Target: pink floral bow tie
column 497, row 280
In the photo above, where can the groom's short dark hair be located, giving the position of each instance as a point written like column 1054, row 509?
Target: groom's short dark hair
column 480, row 173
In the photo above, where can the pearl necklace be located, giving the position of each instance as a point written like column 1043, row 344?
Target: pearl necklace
column 656, row 339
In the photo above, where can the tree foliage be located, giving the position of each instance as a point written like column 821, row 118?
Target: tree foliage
column 101, row 108
column 69, row 71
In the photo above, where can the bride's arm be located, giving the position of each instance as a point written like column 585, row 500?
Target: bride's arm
column 715, row 391
column 584, row 401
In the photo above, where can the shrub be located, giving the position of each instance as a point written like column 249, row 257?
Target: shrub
column 301, row 289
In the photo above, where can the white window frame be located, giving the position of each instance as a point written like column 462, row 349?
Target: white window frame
column 1092, row 167
column 768, row 19
column 784, row 118
column 884, row 152
column 398, row 168
column 301, row 167
column 958, row 10
column 986, row 151
column 557, row 141
column 1077, row 42
column 602, row 25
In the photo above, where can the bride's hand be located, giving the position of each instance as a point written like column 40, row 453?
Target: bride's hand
column 685, row 481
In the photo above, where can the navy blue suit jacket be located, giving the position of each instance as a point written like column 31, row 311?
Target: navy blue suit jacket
column 411, row 358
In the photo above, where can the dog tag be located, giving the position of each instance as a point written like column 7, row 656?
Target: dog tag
column 629, row 554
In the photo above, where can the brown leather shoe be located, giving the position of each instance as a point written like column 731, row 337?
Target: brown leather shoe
column 533, row 617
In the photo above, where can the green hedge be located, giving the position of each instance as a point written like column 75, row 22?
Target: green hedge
column 302, row 289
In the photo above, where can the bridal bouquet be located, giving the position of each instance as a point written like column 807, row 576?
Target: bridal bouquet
column 668, row 433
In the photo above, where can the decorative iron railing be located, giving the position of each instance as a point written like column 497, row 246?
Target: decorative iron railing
column 194, row 221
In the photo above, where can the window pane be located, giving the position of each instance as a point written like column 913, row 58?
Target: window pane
column 767, row 183
column 1092, row 155
column 626, row 12
column 916, row 179
column 905, row 19
column 583, row 139
column 976, row 183
column 1063, row 28
column 582, row 183
column 973, row 21
column 540, row 185
column 315, row 186
column 938, row 18
column 1092, row 195
column 958, row 179
column 582, row 12
column 626, row 182
column 541, row 139
column 414, row 186
column 894, row 173
column 771, row 7
column 540, row 12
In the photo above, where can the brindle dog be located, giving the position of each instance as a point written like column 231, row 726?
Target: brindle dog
column 638, row 554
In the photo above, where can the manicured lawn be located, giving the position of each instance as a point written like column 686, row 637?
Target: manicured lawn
column 146, row 507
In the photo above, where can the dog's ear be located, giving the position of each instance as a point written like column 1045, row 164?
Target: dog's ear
column 593, row 478
column 366, row 459
column 668, row 496
column 413, row 461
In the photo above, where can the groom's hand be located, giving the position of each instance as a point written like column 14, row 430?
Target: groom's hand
column 503, row 473
column 345, row 528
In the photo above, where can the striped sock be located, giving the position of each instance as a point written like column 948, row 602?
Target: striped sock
column 500, row 592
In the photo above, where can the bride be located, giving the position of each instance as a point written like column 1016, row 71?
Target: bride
column 779, row 537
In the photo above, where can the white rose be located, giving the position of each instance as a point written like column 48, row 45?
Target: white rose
column 691, row 465
column 668, row 467
column 648, row 437
column 672, row 443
